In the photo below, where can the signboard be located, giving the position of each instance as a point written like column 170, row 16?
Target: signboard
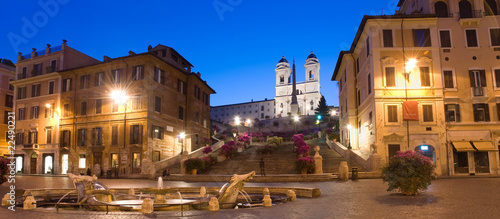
column 410, row 110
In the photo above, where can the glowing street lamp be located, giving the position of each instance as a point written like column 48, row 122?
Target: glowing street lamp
column 410, row 65
column 237, row 122
column 296, row 119
column 349, row 127
column 182, row 136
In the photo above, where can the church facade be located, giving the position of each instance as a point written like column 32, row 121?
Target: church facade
column 308, row 91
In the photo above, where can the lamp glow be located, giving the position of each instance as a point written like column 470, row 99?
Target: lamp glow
column 237, row 120
column 410, row 65
column 119, row 96
column 296, row 118
column 349, row 127
column 182, row 135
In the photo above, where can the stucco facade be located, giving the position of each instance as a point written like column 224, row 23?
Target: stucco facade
column 7, row 73
column 445, row 65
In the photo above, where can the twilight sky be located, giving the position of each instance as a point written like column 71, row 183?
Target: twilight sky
column 234, row 44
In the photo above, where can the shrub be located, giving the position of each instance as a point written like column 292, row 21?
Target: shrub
column 305, row 163
column 3, row 169
column 194, row 163
column 207, row 141
column 268, row 148
column 408, row 172
column 207, row 150
column 329, row 131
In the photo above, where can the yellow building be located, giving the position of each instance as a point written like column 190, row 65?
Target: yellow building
column 7, row 73
column 426, row 78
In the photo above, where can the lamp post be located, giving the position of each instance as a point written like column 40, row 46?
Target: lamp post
column 182, row 136
column 237, row 121
column 409, row 66
column 249, row 122
column 295, row 119
column 120, row 97
column 349, row 127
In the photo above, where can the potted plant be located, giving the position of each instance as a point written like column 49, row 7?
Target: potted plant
column 207, row 150
column 194, row 164
column 305, row 165
column 408, row 172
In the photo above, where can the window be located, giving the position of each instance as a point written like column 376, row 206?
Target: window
column 66, row 138
column 11, row 87
column 116, row 76
column 136, row 162
column 367, row 46
column 289, row 81
column 51, row 87
column 138, row 72
column 427, row 113
column 114, row 135
column 35, row 90
column 97, row 136
column 357, row 65
column 445, row 37
column 53, row 65
column 98, row 79
column 196, row 139
column 98, row 106
column 21, row 93
column 392, row 113
column 425, row 77
column 21, row 115
column 498, row 111
column 359, row 97
column 83, row 108
column 465, row 9
column 452, row 112
column 311, row 75
column 449, row 81
column 66, row 86
column 159, row 75
column 370, row 118
column 441, row 9
column 204, row 121
column 369, row 84
column 37, row 69
column 157, row 132
column 34, row 112
column 197, row 92
column 471, row 37
column 282, row 79
column 48, row 134
column 158, row 104
column 390, row 77
column 82, row 136
column 114, row 160
column 19, row 138
column 66, row 110
column 387, row 35
column 497, row 78
column 481, row 112
column 197, row 117
column 33, row 137
column 477, row 82
column 490, row 7
column 421, row 38
column 181, row 86
column 84, row 81
column 181, row 113
column 9, row 100
column 6, row 119
column 136, row 102
column 23, row 73
column 205, row 99
column 495, row 36
column 135, row 134
column 82, row 162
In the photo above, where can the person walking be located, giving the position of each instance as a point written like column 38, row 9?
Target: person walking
column 262, row 172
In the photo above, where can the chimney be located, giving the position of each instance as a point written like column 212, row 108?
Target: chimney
column 20, row 56
column 130, row 52
column 252, row 100
column 63, row 44
column 33, row 53
column 106, row 58
column 150, row 48
column 198, row 74
column 47, row 50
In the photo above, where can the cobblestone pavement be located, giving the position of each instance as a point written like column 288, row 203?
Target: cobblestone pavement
column 366, row 198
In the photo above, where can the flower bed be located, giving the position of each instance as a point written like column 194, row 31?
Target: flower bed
column 305, row 164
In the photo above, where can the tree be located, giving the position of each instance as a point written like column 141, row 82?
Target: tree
column 322, row 109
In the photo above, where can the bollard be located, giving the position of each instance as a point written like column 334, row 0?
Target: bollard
column 354, row 176
column 267, row 202
column 29, row 203
column 147, row 206
column 343, row 171
column 213, row 204
column 203, row 191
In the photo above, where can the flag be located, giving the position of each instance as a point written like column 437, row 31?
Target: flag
column 410, row 110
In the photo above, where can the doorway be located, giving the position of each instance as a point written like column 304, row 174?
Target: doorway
column 48, row 164
column 65, row 164
column 427, row 151
column 136, row 162
column 393, row 149
column 97, row 160
column 34, row 157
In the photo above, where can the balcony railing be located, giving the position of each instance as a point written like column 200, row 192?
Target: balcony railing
column 470, row 14
column 478, row 91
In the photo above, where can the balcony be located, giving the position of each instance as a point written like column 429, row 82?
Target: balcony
column 478, row 91
column 470, row 18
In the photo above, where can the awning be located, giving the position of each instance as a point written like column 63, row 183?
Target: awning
column 484, row 146
column 461, row 146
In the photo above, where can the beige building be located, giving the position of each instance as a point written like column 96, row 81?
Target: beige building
column 164, row 99
column 37, row 103
column 426, row 78
column 7, row 74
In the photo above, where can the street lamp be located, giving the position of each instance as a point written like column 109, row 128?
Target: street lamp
column 249, row 122
column 349, row 127
column 120, row 97
column 409, row 66
column 182, row 136
column 296, row 119
column 237, row 121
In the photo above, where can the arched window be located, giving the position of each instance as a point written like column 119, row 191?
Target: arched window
column 465, row 9
column 441, row 9
column 311, row 75
column 289, row 79
column 282, row 79
column 490, row 7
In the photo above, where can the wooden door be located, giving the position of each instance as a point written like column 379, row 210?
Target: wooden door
column 33, row 165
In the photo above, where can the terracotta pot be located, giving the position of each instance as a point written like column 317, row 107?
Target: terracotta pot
column 304, row 171
column 194, row 171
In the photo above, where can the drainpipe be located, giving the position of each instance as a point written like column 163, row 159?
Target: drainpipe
column 74, row 120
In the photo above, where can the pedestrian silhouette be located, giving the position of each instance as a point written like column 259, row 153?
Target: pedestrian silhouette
column 262, row 172
column 166, row 172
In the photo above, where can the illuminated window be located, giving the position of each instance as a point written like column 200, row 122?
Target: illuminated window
column 81, row 163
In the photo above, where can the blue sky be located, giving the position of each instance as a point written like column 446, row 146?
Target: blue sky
column 234, row 44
